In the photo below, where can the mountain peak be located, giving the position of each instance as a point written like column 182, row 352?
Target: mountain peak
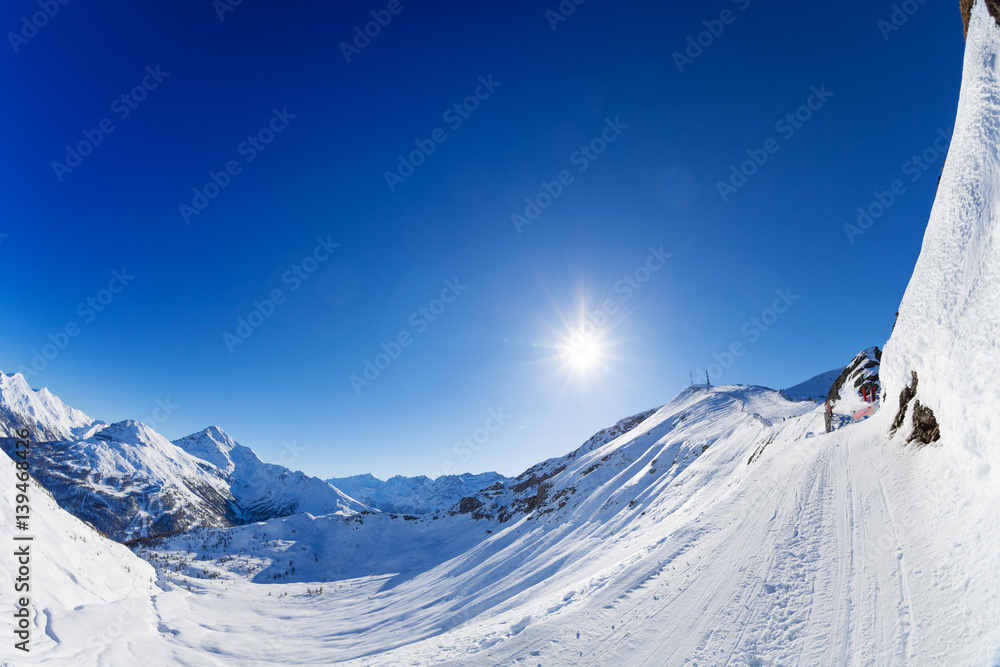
column 131, row 432
column 211, row 444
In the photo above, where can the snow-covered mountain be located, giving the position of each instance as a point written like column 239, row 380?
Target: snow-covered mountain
column 656, row 449
column 414, row 495
column 658, row 534
column 130, row 482
column 38, row 410
column 263, row 490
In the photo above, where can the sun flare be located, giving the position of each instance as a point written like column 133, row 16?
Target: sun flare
column 584, row 357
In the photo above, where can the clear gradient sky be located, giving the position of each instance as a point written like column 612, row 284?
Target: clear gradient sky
column 598, row 102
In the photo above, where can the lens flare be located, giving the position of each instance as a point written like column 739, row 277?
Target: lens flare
column 582, row 357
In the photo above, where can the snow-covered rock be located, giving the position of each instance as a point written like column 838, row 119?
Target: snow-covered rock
column 860, row 377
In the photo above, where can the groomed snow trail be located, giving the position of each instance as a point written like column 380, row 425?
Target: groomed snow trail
column 801, row 567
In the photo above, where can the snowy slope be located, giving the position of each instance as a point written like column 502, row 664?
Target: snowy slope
column 414, row 495
column 948, row 331
column 44, row 414
column 421, row 495
column 264, row 490
column 758, row 540
column 948, row 337
column 78, row 579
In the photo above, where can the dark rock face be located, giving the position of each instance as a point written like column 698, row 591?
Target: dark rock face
column 925, row 426
column 469, row 504
column 992, row 5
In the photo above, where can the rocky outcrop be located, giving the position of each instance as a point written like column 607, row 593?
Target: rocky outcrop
column 925, row 426
column 863, row 371
column 992, row 5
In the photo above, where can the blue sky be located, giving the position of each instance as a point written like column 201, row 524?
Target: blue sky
column 307, row 209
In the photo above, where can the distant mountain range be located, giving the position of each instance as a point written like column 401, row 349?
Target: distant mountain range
column 130, row 482
column 414, row 495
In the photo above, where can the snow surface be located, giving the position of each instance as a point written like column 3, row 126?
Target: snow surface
column 725, row 528
column 78, row 582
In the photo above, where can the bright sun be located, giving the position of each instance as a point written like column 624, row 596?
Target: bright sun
column 584, row 357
